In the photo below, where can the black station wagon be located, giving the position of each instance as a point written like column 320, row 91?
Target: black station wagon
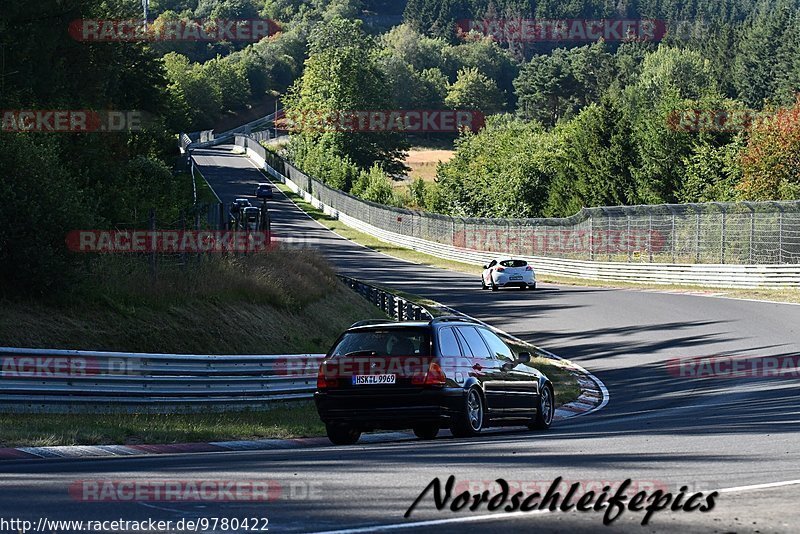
column 446, row 373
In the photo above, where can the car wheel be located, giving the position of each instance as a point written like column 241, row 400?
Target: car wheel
column 426, row 431
column 483, row 284
column 494, row 286
column 547, row 409
column 470, row 421
column 342, row 434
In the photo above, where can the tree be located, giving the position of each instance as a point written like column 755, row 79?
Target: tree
column 595, row 161
column 342, row 75
column 771, row 160
column 474, row 91
column 546, row 88
column 502, row 171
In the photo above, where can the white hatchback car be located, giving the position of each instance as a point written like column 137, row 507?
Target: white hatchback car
column 507, row 272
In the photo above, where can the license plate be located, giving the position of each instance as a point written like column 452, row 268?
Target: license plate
column 360, row 380
column 516, row 278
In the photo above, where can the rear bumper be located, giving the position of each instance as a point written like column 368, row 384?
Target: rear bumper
column 505, row 280
column 390, row 410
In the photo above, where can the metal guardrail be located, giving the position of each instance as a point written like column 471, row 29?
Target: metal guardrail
column 393, row 305
column 382, row 222
column 61, row 381
column 75, row 381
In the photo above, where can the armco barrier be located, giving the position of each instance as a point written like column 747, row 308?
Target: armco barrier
column 697, row 274
column 62, row 381
column 394, row 306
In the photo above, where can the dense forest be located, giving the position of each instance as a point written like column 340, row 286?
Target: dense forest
column 570, row 124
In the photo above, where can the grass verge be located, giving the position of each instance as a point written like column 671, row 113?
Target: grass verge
column 789, row 295
column 39, row 430
column 278, row 302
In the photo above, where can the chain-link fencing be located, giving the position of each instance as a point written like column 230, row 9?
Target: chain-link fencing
column 743, row 233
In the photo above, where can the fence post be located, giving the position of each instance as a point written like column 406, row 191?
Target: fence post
column 608, row 236
column 722, row 238
column 628, row 236
column 591, row 237
column 183, row 252
column 650, row 237
column 752, row 231
column 780, row 236
column 673, row 238
column 697, row 238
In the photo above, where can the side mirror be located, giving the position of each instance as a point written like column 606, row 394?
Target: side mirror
column 524, row 357
column 485, row 266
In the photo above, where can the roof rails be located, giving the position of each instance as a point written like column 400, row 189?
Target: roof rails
column 370, row 321
column 454, row 318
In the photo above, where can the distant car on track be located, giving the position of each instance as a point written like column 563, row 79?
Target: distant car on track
column 264, row 191
column 508, row 272
column 448, row 372
column 238, row 204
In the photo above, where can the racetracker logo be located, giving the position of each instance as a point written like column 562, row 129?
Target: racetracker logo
column 557, row 30
column 72, row 121
column 555, row 240
column 168, row 241
column 735, row 367
column 131, row 30
column 175, row 490
column 715, row 120
column 407, row 121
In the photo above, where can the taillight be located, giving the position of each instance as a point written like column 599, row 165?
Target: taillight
column 433, row 377
column 528, row 268
column 499, row 269
column 323, row 380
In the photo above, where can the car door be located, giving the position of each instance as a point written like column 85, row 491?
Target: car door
column 487, row 273
column 520, row 383
column 484, row 367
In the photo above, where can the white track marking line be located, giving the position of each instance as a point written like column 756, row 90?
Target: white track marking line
column 756, row 487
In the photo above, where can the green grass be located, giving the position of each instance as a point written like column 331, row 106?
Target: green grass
column 788, row 294
column 38, row 430
column 279, row 302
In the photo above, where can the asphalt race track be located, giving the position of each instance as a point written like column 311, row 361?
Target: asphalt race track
column 739, row 435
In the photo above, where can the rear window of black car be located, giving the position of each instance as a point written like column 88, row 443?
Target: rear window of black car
column 514, row 263
column 387, row 342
